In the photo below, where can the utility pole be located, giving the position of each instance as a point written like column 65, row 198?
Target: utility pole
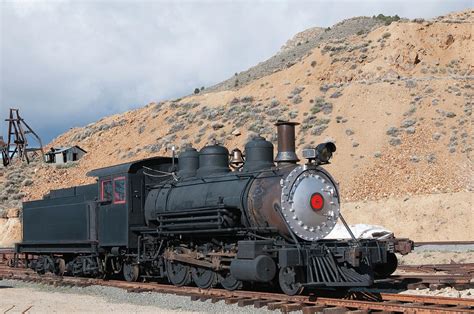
column 17, row 142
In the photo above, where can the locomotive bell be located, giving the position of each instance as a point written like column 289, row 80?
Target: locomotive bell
column 236, row 158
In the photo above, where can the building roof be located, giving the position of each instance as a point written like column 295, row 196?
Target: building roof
column 58, row 150
column 129, row 167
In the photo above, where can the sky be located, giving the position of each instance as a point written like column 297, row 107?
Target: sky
column 69, row 63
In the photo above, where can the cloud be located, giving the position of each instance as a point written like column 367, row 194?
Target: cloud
column 68, row 63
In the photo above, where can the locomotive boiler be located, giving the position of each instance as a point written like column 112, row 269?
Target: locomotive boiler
column 289, row 199
column 206, row 219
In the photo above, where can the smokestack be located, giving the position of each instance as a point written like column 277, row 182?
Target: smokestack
column 286, row 142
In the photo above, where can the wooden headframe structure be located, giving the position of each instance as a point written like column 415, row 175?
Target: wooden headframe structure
column 17, row 142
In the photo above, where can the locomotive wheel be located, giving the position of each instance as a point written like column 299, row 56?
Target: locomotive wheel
column 204, row 278
column 386, row 269
column 229, row 282
column 131, row 272
column 40, row 265
column 60, row 267
column 178, row 274
column 289, row 281
column 45, row 264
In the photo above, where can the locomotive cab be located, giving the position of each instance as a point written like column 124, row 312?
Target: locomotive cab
column 122, row 194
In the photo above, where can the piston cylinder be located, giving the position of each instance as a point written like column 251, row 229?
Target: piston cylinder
column 260, row 269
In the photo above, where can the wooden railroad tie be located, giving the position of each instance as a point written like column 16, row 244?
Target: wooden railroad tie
column 246, row 302
column 261, row 303
column 233, row 300
column 290, row 307
column 313, row 309
column 276, row 305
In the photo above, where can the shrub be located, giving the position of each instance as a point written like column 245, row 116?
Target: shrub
column 297, row 90
column 410, row 84
column 321, row 105
column 274, row 103
column 247, row 99
column 408, row 122
column 318, row 130
column 387, row 19
column 394, row 141
column 69, row 164
column 27, row 182
column 297, row 99
column 393, row 131
column 217, row 126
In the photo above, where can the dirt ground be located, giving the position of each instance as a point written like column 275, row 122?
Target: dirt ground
column 10, row 231
column 432, row 257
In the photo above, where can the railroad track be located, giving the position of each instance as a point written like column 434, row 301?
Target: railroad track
column 355, row 302
column 444, row 243
column 436, row 276
column 467, row 268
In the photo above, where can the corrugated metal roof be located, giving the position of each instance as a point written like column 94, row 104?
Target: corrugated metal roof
column 58, row 150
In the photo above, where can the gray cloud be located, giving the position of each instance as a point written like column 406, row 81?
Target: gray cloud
column 69, row 63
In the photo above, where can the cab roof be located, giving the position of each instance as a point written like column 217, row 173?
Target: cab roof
column 129, row 167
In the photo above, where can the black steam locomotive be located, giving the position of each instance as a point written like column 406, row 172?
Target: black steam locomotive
column 208, row 219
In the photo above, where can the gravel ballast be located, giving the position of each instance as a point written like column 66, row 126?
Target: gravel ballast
column 97, row 298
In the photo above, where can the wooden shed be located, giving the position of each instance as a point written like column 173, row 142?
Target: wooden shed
column 63, row 155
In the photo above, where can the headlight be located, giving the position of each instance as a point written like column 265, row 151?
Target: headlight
column 320, row 154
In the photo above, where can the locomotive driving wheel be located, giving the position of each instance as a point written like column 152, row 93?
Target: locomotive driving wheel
column 178, row 274
column 229, row 282
column 204, row 278
column 289, row 279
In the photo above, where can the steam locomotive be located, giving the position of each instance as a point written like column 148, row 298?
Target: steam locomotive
column 208, row 218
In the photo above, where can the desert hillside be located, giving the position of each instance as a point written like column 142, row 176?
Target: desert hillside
column 394, row 95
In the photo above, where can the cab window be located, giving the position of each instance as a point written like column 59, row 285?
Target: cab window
column 119, row 190
column 106, row 190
